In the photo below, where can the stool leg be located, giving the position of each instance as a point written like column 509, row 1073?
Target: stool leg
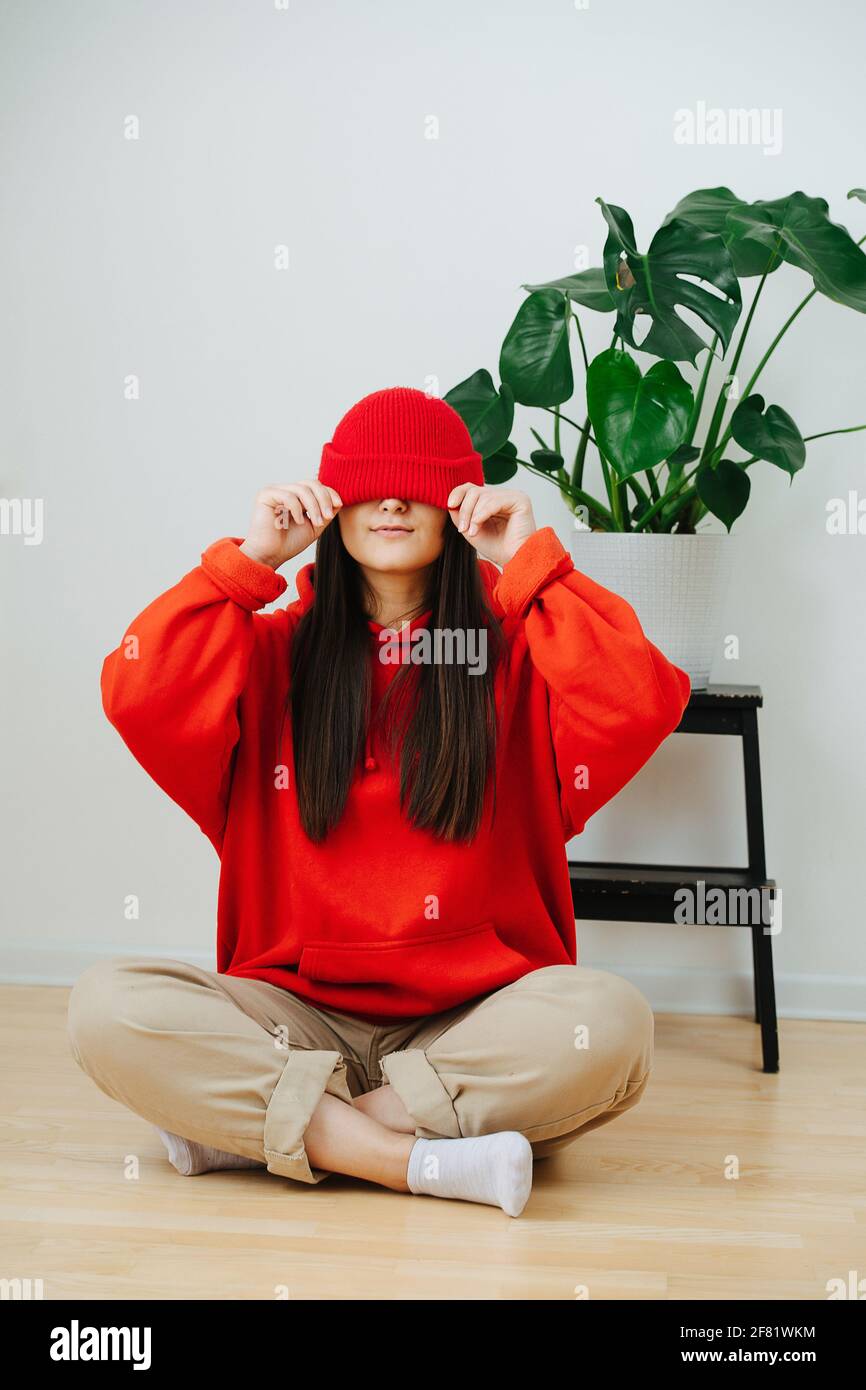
column 762, row 951
column 756, row 932
column 766, row 991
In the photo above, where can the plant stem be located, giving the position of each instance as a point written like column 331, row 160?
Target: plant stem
column 664, row 499
column 699, row 398
column 580, row 456
column 577, row 493
column 770, row 350
column 615, row 492
column 638, row 491
column 616, row 489
column 747, row 463
column 585, row 437
column 720, row 447
column 722, row 398
column 582, row 343
column 683, row 502
column 582, row 429
column 622, row 502
column 852, row 429
column 605, row 473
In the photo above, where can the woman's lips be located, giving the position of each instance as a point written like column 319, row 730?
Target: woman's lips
column 393, row 530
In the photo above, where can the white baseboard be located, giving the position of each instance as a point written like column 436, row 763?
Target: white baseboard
column 837, row 998
column 669, row 990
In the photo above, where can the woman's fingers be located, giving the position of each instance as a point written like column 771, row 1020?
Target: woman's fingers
column 310, row 504
column 282, row 500
column 309, row 500
column 486, row 508
column 468, row 506
column 461, row 500
column 320, row 501
column 329, row 500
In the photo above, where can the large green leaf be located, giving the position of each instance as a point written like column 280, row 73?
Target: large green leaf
column 653, row 283
column 724, row 490
column 535, row 360
column 801, row 229
column 587, row 287
column 708, row 208
column 502, row 465
column 488, row 414
column 637, row 420
column 858, row 193
column 770, row 434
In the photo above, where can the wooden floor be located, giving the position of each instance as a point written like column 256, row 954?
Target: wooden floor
column 640, row 1208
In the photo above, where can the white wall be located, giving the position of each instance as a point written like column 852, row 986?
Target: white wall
column 155, row 257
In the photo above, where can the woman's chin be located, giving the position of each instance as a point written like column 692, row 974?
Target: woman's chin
column 395, row 552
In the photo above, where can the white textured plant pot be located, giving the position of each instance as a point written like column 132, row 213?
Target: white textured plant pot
column 675, row 584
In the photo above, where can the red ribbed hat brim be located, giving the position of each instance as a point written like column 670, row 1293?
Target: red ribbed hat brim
column 366, row 478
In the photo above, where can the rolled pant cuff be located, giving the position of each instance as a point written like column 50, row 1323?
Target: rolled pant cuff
column 305, row 1078
column 423, row 1094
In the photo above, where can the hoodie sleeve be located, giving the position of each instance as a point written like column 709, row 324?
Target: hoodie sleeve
column 613, row 696
column 171, row 687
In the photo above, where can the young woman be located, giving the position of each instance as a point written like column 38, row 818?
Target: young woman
column 389, row 769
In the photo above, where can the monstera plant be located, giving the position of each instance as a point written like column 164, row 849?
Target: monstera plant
column 665, row 462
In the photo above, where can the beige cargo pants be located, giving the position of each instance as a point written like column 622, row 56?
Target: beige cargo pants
column 241, row 1065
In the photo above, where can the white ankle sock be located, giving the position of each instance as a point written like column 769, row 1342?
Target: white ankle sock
column 494, row 1168
column 190, row 1158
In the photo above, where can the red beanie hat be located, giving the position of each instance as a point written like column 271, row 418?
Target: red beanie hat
column 400, row 443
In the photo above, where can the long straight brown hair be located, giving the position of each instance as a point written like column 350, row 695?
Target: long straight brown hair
column 440, row 716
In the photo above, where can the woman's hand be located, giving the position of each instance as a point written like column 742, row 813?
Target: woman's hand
column 287, row 519
column 495, row 520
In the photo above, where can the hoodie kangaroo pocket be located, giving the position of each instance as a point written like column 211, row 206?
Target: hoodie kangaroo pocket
column 432, row 973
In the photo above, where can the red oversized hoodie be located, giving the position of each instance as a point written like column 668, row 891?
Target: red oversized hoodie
column 381, row 919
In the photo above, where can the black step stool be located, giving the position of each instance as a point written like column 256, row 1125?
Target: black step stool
column 646, row 892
